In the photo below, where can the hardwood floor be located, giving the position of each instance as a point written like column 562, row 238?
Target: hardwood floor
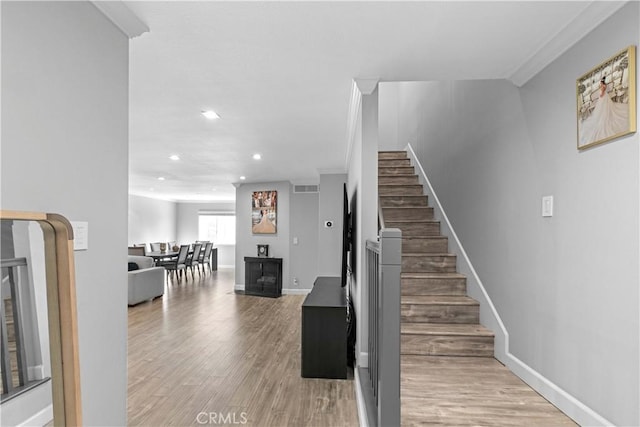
column 202, row 355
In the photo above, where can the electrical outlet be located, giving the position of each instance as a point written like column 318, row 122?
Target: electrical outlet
column 547, row 206
column 295, row 282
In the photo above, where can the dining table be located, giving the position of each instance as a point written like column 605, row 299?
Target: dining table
column 159, row 255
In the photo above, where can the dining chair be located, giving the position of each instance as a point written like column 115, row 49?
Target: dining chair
column 205, row 258
column 192, row 261
column 155, row 247
column 178, row 264
column 136, row 250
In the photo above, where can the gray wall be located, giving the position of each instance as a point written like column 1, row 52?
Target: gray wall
column 566, row 287
column 187, row 227
column 362, row 189
column 246, row 241
column 330, row 239
column 64, row 149
column 304, row 227
column 151, row 220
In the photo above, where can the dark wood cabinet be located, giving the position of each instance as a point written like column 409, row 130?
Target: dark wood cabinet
column 324, row 330
column 263, row 276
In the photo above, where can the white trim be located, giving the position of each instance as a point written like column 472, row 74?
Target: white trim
column 35, row 372
column 226, row 266
column 563, row 400
column 44, row 417
column 362, row 407
column 593, row 14
column 567, row 403
column 363, row 359
column 238, row 287
column 367, row 86
column 122, row 17
column 291, row 291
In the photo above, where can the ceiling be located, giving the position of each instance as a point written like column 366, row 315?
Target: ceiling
column 280, row 76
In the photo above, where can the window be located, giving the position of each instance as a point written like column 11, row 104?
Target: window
column 219, row 228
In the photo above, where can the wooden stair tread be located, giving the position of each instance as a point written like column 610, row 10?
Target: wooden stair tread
column 395, row 221
column 437, row 300
column 428, row 254
column 408, row 207
column 453, row 329
column 435, row 275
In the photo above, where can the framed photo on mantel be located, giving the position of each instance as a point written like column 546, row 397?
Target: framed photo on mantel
column 606, row 100
column 264, row 212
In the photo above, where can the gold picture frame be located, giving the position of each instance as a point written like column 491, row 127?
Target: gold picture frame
column 264, row 212
column 606, row 100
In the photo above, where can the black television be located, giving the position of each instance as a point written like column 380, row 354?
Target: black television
column 346, row 237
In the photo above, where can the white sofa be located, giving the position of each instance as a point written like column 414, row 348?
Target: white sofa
column 147, row 282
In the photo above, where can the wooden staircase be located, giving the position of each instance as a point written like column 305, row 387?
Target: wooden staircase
column 437, row 316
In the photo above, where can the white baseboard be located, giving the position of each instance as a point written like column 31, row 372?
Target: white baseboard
column 41, row 418
column 362, row 408
column 568, row 404
column 35, row 372
column 363, row 359
column 238, row 287
column 293, row 291
column 226, row 266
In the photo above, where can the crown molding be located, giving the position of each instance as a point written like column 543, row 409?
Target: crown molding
column 591, row 16
column 366, row 86
column 122, row 17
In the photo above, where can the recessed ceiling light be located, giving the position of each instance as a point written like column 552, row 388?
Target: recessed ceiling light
column 174, row 157
column 161, row 178
column 242, row 178
column 209, row 114
column 257, row 156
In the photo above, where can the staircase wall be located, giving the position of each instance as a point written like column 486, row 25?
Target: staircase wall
column 565, row 287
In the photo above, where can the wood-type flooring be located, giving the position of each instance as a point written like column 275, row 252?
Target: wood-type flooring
column 204, row 355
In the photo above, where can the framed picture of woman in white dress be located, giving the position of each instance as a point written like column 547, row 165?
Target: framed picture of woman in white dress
column 264, row 212
column 606, row 98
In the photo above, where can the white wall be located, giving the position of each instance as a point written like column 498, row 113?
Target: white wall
column 151, row 220
column 304, row 228
column 64, row 150
column 246, row 241
column 187, row 227
column 566, row 287
column 330, row 239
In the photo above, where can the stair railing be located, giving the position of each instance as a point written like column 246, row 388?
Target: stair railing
column 384, row 261
column 10, row 271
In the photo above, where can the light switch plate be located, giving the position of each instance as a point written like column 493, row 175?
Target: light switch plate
column 547, row 206
column 80, row 235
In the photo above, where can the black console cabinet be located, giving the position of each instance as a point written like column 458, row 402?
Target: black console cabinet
column 324, row 330
column 263, row 276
